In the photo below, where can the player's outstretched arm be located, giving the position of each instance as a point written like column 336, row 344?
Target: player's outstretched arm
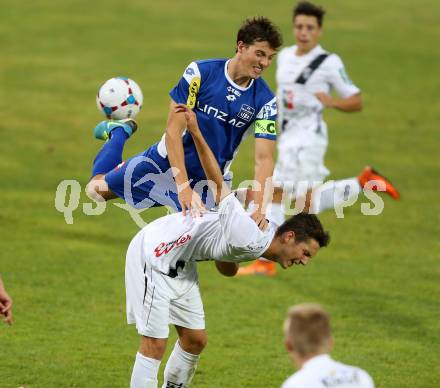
column 176, row 124
column 207, row 158
column 348, row 104
column 264, row 164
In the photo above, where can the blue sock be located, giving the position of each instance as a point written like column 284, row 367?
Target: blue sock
column 110, row 154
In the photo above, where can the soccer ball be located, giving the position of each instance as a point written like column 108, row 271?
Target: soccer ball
column 119, row 98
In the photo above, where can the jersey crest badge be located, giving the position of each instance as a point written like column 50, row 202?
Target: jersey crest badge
column 246, row 112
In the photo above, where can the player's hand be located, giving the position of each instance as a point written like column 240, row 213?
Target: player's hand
column 325, row 99
column 260, row 220
column 6, row 306
column 191, row 202
column 190, row 117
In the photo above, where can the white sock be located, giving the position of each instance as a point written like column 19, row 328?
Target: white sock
column 180, row 368
column 275, row 213
column 331, row 194
column 144, row 373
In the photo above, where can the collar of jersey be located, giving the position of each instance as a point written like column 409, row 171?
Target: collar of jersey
column 232, row 82
column 316, row 361
column 317, row 50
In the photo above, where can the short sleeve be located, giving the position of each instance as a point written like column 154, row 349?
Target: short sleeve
column 185, row 92
column 238, row 228
column 265, row 122
column 339, row 78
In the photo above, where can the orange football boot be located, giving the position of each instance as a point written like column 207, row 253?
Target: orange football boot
column 370, row 174
column 259, row 267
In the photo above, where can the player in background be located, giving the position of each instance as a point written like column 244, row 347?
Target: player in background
column 161, row 273
column 231, row 101
column 5, row 304
column 305, row 76
column 307, row 337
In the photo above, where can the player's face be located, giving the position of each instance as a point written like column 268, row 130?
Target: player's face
column 297, row 253
column 307, row 32
column 255, row 58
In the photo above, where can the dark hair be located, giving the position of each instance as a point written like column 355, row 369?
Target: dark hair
column 260, row 29
column 309, row 9
column 305, row 226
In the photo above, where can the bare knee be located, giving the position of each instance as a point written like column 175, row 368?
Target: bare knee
column 153, row 347
column 98, row 190
column 192, row 341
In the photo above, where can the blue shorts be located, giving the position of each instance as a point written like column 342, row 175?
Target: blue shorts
column 146, row 180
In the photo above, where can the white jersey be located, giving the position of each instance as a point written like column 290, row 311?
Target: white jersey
column 299, row 111
column 324, row 372
column 228, row 234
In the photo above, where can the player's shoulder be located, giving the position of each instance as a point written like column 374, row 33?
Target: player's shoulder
column 362, row 376
column 286, row 52
column 297, row 380
column 216, row 64
column 333, row 60
column 212, row 62
column 262, row 87
column 203, row 68
column 365, row 380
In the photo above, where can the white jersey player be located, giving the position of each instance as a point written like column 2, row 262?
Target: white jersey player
column 161, row 276
column 306, row 75
column 308, row 340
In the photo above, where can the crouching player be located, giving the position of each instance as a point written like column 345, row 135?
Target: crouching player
column 161, row 276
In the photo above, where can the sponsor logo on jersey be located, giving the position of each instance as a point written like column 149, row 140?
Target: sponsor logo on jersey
column 265, row 127
column 233, row 94
column 288, row 97
column 220, row 115
column 341, row 378
column 193, row 89
column 165, row 248
column 190, row 71
column 246, row 113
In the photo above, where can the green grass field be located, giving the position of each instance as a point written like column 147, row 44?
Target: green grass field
column 380, row 276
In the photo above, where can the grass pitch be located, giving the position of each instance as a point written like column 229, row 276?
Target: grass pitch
column 379, row 277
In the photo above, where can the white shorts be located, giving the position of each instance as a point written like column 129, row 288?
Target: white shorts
column 154, row 300
column 300, row 163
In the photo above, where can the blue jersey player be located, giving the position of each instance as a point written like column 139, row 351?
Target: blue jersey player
column 230, row 100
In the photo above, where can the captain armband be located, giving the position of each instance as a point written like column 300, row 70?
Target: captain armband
column 265, row 129
column 193, row 89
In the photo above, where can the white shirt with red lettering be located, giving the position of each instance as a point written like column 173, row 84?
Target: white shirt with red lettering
column 228, row 234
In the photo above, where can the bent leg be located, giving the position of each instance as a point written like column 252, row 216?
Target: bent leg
column 108, row 157
column 332, row 194
column 182, row 364
column 146, row 366
column 98, row 190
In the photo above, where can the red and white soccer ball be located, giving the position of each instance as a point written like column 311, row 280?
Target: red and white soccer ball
column 119, row 98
